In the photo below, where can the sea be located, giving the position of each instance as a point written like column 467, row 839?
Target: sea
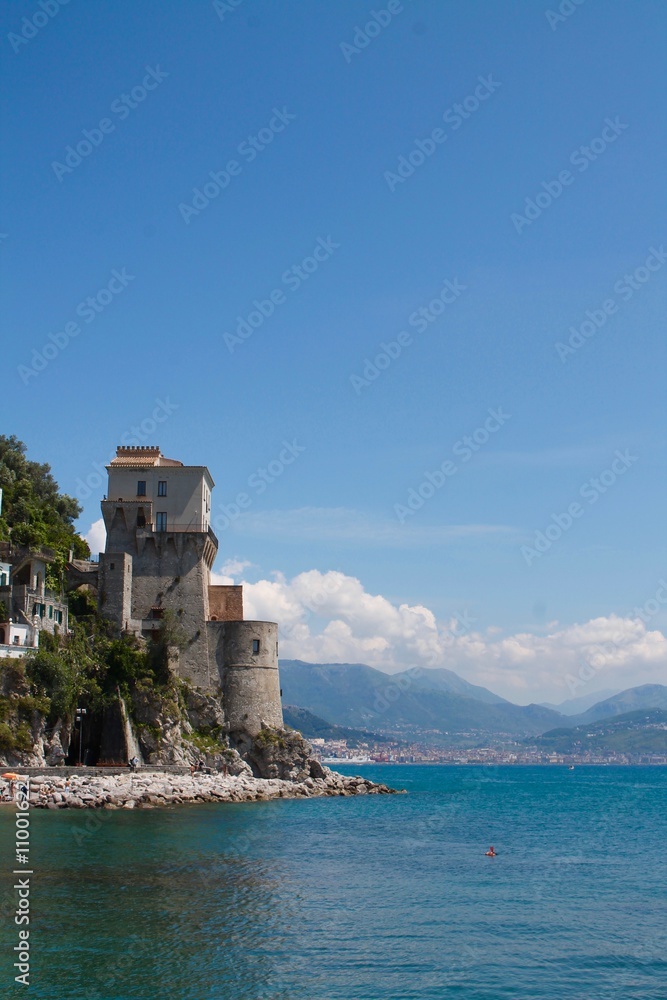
column 365, row 898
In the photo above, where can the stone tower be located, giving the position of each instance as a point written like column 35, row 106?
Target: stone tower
column 159, row 553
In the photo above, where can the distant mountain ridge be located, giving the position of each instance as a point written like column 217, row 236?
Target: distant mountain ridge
column 646, row 696
column 640, row 732
column 360, row 697
column 577, row 706
column 312, row 726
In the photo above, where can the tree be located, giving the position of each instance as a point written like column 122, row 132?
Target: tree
column 34, row 511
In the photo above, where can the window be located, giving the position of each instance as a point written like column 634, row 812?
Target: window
column 161, row 520
column 141, row 488
column 255, row 645
column 50, row 611
column 162, row 488
column 112, row 565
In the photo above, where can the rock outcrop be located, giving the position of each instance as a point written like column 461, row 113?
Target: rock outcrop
column 280, row 753
column 146, row 789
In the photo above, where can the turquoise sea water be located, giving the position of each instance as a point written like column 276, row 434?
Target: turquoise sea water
column 366, row 898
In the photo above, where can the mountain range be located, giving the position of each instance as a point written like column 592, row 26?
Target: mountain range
column 575, row 706
column 643, row 731
column 433, row 701
column 312, row 726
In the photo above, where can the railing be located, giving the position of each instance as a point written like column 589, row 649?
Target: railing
column 178, row 527
column 22, row 590
column 172, row 527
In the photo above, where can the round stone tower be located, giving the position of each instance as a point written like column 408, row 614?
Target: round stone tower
column 249, row 675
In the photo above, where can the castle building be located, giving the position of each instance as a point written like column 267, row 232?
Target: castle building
column 159, row 553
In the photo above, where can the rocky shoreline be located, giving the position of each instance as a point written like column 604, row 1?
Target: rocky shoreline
column 147, row 790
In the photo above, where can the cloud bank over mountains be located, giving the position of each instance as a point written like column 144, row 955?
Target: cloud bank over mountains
column 329, row 617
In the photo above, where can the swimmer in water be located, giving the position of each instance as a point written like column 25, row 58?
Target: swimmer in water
column 491, row 852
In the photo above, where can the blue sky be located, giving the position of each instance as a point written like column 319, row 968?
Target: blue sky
column 537, row 96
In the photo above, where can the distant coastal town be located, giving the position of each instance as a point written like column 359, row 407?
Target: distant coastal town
column 338, row 752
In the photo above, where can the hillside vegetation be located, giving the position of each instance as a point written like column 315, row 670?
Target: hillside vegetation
column 643, row 731
column 34, row 511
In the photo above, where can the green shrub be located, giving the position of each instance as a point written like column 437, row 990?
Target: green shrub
column 23, row 738
column 203, row 740
column 29, row 703
column 7, row 740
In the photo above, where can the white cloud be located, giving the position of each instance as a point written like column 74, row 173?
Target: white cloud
column 96, row 537
column 330, row 617
column 228, row 571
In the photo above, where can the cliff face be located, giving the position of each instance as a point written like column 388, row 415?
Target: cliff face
column 25, row 737
column 172, row 724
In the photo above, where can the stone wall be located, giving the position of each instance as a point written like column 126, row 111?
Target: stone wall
column 169, row 571
column 225, row 603
column 115, row 588
column 250, row 679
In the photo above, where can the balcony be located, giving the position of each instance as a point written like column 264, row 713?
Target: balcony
column 178, row 528
column 24, row 594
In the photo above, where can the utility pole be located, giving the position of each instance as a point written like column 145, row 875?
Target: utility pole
column 80, row 712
